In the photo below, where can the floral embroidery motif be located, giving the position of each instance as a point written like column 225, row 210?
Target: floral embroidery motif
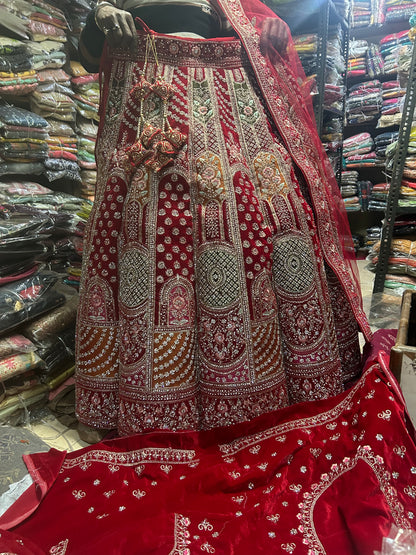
column 59, row 549
column 181, row 535
column 307, row 506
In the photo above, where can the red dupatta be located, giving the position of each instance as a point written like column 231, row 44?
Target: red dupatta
column 284, row 87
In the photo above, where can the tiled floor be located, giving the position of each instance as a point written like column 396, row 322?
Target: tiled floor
column 54, row 434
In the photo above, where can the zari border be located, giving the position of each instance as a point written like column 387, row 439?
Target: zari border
column 131, row 458
column 307, row 507
column 181, row 535
column 229, row 449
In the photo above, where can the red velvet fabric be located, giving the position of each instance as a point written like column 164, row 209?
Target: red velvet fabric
column 283, row 71
column 330, row 477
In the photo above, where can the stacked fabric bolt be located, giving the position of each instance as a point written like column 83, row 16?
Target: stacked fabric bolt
column 390, row 47
column 62, row 160
column 17, row 74
column 76, row 12
column 23, row 141
column 349, row 178
column 382, row 142
column 53, row 104
column 372, row 236
column 368, row 13
column 306, row 47
column 361, row 13
column 393, row 93
column 399, row 10
column 47, row 22
column 404, row 62
column 48, row 54
column 87, row 95
column 357, row 56
column 335, row 64
column 364, row 102
column 349, row 195
column 378, row 196
column 374, row 61
column 401, row 260
column 378, row 12
column 358, row 151
column 37, row 331
column 86, row 87
column 52, row 98
column 364, row 188
column 408, row 185
column 59, row 221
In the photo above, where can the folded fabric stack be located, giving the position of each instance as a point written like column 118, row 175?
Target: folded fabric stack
column 48, row 54
column 405, row 61
column 86, row 87
column 349, row 192
column 361, row 13
column 358, row 151
column 393, row 94
column 364, row 102
column 23, row 141
column 62, row 160
column 373, row 235
column 306, row 47
column 342, row 7
column 355, row 193
column 52, row 222
column 399, row 10
column 408, row 185
column 390, row 47
column 367, row 13
column 383, row 141
column 47, row 22
column 357, row 56
column 401, row 273
column 364, row 188
column 378, row 197
column 374, row 61
column 41, row 231
column 76, row 12
column 402, row 257
column 350, row 198
column 17, row 74
column 37, row 331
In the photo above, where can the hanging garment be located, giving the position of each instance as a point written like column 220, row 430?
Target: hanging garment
column 207, row 296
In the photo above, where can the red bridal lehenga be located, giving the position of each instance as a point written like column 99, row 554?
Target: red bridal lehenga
column 206, row 297
column 208, row 300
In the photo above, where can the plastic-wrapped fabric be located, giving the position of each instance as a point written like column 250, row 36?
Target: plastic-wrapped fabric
column 16, row 364
column 53, row 323
column 21, row 168
column 24, row 300
column 22, row 382
column 12, row 115
column 16, row 228
column 14, row 344
column 14, row 249
column 56, row 353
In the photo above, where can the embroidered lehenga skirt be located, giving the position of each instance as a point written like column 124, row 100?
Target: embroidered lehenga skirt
column 205, row 298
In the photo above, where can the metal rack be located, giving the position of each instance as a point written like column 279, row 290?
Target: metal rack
column 396, row 179
column 327, row 13
column 319, row 16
